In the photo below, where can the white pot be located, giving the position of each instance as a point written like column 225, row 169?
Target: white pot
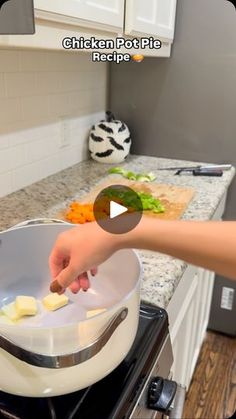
column 63, row 334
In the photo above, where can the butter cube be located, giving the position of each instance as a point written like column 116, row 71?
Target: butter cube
column 26, row 306
column 5, row 320
column 92, row 313
column 54, row 301
column 10, row 311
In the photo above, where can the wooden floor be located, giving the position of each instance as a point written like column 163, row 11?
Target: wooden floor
column 212, row 394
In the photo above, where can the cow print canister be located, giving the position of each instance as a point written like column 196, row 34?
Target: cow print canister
column 109, row 140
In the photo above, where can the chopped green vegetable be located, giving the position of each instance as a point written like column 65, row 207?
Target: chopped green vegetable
column 117, row 170
column 149, row 203
column 130, row 176
column 145, row 202
column 141, row 177
column 151, row 176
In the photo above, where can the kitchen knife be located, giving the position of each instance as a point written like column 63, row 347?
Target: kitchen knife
column 190, row 168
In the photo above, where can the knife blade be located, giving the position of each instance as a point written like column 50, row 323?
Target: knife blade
column 209, row 166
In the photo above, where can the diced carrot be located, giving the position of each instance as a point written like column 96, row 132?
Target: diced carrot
column 80, row 213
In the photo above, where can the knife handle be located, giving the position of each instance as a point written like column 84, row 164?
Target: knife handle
column 207, row 172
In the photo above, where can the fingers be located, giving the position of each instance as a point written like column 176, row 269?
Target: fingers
column 56, row 262
column 66, row 274
column 82, row 282
column 75, row 286
column 94, row 271
column 56, row 287
column 65, row 278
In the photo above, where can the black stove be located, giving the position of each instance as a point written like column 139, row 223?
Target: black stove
column 115, row 396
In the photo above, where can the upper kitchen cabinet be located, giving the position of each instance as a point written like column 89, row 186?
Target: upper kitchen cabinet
column 107, row 15
column 151, row 17
column 102, row 19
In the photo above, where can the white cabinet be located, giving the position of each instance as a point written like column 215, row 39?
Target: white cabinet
column 105, row 14
column 205, row 280
column 188, row 324
column 188, row 313
column 101, row 19
column 151, row 17
column 181, row 335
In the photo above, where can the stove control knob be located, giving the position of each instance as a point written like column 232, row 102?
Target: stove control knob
column 161, row 394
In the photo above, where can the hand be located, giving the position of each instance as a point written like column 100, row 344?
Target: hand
column 77, row 251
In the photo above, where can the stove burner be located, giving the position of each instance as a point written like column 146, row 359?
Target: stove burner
column 114, row 396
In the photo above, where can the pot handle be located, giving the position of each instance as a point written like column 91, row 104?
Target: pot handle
column 65, row 360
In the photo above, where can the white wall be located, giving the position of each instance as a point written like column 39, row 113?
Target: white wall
column 37, row 90
column 184, row 106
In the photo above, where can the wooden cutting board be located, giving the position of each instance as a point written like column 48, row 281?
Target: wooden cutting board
column 174, row 198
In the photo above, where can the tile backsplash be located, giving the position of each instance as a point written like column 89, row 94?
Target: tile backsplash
column 48, row 102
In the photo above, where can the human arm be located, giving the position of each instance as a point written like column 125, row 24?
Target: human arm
column 211, row 245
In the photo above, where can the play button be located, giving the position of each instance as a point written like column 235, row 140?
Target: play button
column 118, row 209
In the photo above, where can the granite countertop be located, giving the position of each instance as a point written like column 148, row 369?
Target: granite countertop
column 161, row 273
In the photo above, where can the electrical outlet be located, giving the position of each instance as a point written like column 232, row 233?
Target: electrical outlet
column 65, row 139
